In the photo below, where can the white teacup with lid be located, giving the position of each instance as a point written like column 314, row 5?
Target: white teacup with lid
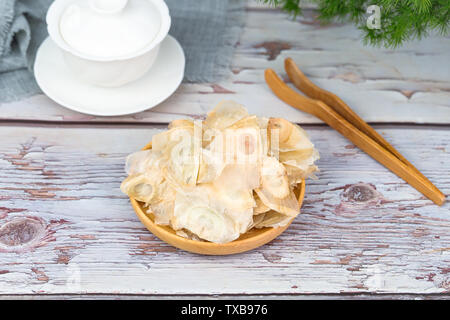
column 109, row 42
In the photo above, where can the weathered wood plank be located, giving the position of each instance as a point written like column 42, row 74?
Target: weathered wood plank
column 410, row 84
column 65, row 228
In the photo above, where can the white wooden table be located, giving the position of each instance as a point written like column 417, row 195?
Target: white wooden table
column 66, row 230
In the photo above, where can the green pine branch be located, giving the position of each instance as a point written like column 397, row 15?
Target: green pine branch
column 401, row 20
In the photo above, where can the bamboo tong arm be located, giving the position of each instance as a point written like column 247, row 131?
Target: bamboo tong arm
column 355, row 135
column 311, row 90
column 305, row 85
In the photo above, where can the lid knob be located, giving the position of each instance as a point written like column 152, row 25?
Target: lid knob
column 108, row 6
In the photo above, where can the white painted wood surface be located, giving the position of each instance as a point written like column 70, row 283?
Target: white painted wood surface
column 362, row 229
column 410, row 84
column 67, row 231
column 230, row 297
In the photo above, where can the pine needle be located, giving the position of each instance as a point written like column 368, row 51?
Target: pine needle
column 401, row 20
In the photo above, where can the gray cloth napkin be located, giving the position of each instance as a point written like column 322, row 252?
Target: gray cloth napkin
column 207, row 30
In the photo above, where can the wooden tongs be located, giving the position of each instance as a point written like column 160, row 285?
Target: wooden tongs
column 332, row 110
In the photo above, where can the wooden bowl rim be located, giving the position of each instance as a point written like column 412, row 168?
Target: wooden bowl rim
column 167, row 234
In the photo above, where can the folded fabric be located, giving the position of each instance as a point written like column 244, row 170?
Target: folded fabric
column 207, row 29
column 22, row 29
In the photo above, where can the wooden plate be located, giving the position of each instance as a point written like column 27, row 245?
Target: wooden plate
column 247, row 241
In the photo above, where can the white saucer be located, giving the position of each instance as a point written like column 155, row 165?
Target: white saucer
column 60, row 85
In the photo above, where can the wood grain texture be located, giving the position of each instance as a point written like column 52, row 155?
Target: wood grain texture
column 65, row 227
column 67, row 231
column 410, row 84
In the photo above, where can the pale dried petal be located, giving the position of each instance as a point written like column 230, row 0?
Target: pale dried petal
column 274, row 179
column 162, row 211
column 211, row 167
column 140, row 187
column 257, row 219
column 291, row 136
column 240, row 176
column 260, row 206
column 225, row 114
column 195, row 213
column 273, row 219
column 181, row 123
column 238, row 204
column 297, row 173
column 139, row 162
column 289, row 205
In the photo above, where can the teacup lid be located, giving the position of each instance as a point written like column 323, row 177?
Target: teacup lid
column 109, row 28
